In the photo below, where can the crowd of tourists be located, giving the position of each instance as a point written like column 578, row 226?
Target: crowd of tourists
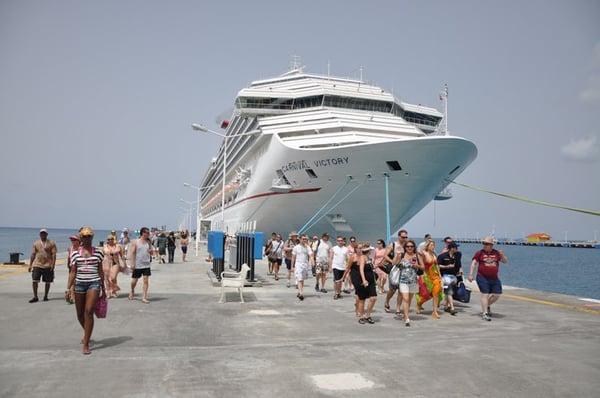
column 401, row 268
column 93, row 271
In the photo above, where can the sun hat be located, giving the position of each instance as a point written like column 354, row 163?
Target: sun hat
column 74, row 237
column 86, row 231
column 488, row 239
column 293, row 233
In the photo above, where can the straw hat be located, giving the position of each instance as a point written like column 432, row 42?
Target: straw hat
column 86, row 231
column 488, row 239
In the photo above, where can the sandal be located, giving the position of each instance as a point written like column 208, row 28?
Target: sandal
column 370, row 320
column 387, row 308
column 145, row 301
column 362, row 321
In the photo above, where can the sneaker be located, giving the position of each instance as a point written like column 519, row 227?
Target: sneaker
column 489, row 311
column 407, row 323
column 323, row 290
column 288, row 284
column 336, row 296
column 347, row 291
column 370, row 320
column 317, row 288
column 301, row 297
column 34, row 300
column 486, row 317
column 45, row 298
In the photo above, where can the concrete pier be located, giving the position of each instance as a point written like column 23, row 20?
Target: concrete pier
column 184, row 343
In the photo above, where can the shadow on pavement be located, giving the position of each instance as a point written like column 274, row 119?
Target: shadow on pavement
column 110, row 342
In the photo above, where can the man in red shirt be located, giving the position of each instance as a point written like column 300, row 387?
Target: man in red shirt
column 488, row 262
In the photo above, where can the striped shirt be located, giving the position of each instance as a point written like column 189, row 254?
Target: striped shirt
column 86, row 268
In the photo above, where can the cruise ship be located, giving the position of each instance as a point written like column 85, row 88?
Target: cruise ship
column 316, row 153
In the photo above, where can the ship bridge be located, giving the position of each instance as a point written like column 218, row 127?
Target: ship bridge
column 297, row 91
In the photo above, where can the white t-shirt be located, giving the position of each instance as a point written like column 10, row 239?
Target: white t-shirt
column 277, row 248
column 302, row 254
column 322, row 253
column 340, row 255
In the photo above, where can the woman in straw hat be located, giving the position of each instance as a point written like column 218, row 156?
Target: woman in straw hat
column 87, row 277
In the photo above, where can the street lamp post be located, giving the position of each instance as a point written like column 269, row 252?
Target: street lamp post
column 198, row 189
column 199, row 127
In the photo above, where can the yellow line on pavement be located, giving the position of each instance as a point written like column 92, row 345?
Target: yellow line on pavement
column 553, row 304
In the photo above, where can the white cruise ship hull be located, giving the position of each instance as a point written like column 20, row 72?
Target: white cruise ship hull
column 356, row 207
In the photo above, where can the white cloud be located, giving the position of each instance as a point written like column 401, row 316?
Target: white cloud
column 584, row 149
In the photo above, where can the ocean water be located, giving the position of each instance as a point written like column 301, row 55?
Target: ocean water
column 20, row 240
column 554, row 269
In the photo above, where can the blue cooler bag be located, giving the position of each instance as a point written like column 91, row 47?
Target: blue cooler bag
column 462, row 294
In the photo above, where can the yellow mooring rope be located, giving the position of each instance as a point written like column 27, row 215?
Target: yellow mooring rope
column 527, row 200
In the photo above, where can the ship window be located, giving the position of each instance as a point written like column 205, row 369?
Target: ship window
column 311, row 173
column 420, row 118
column 357, row 103
column 264, row 103
column 454, row 169
column 308, row 102
column 394, row 165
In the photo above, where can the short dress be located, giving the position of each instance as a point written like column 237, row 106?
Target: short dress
column 363, row 292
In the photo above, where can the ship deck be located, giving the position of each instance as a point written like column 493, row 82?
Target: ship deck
column 184, row 343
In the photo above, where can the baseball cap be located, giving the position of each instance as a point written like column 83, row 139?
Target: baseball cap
column 43, row 230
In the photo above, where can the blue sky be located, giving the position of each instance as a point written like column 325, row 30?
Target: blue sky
column 97, row 98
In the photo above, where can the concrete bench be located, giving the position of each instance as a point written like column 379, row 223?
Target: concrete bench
column 235, row 280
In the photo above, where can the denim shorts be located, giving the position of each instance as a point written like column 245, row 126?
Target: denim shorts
column 489, row 286
column 83, row 287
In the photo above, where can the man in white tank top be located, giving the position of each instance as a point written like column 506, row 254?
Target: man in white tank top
column 141, row 254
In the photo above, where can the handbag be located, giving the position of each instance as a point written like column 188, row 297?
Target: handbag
column 101, row 307
column 394, row 277
column 462, row 294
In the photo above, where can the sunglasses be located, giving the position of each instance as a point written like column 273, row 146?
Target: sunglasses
column 404, row 237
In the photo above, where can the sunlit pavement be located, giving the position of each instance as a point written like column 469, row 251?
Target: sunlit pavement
column 184, row 343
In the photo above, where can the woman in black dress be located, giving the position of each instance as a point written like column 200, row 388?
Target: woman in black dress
column 363, row 279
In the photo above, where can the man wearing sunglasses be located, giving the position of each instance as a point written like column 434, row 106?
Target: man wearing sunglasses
column 338, row 256
column 302, row 259
column 488, row 262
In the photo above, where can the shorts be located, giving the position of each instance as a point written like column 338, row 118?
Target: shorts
column 275, row 261
column 450, row 282
column 139, row 272
column 301, row 272
column 184, row 249
column 45, row 274
column 288, row 264
column 338, row 274
column 83, row 287
column 162, row 251
column 321, row 267
column 408, row 288
column 489, row 286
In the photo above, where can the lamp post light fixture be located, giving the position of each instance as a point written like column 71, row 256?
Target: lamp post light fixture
column 204, row 129
column 198, row 189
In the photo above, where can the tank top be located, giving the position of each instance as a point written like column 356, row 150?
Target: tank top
column 408, row 275
column 86, row 268
column 142, row 254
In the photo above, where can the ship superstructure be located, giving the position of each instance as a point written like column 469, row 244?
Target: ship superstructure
column 314, row 154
